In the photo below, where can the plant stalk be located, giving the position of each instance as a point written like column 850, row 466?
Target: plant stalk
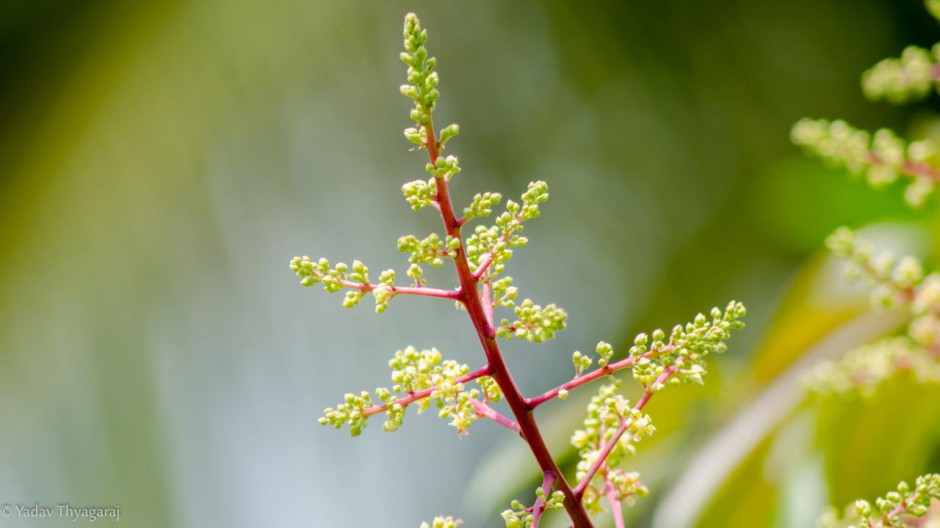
column 499, row 371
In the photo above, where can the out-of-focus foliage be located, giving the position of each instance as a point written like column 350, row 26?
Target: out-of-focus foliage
column 159, row 159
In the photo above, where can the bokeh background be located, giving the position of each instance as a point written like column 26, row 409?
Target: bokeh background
column 160, row 163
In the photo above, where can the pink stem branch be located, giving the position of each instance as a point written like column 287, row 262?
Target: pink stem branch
column 897, row 510
column 481, row 269
column 421, row 394
column 624, row 425
column 616, row 508
column 404, row 290
column 606, row 370
column 487, row 303
column 488, row 260
column 548, row 480
column 909, row 168
column 486, row 411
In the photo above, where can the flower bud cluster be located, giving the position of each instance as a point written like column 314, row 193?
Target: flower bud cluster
column 893, row 510
column 422, row 86
column 339, row 277
column 521, row 517
column 311, row 273
column 336, row 278
column 422, row 79
column 534, row 323
column 504, row 293
column 686, row 348
column 606, row 412
column 496, row 242
column 909, row 77
column 583, row 362
column 899, row 282
column 883, row 156
column 482, row 204
column 350, row 413
column 420, row 193
column 863, row 369
column 443, row 522
column 414, row 371
column 444, row 168
column 429, row 250
column 895, row 278
column 491, row 390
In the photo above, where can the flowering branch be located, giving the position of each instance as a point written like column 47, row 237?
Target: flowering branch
column 405, row 290
column 421, row 394
column 633, row 421
column 888, row 511
column 548, row 480
column 583, row 379
column 423, row 377
column 882, row 155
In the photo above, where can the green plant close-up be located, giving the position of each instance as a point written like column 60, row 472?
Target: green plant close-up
column 613, row 423
column 561, row 279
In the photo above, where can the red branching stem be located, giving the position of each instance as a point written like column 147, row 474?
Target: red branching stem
column 469, row 295
column 616, row 508
column 487, row 303
column 486, row 411
column 909, row 168
column 606, row 370
column 481, row 269
column 421, row 394
column 548, row 480
column 489, row 258
column 366, row 287
column 625, row 424
column 898, row 510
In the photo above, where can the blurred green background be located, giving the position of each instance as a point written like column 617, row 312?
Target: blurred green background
column 160, row 163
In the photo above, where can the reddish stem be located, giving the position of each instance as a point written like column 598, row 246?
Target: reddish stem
column 624, row 425
column 583, row 379
column 548, row 480
column 487, row 303
column 486, row 411
column 898, row 510
column 616, row 508
column 489, row 258
column 421, row 394
column 483, row 266
column 470, row 296
column 404, row 290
